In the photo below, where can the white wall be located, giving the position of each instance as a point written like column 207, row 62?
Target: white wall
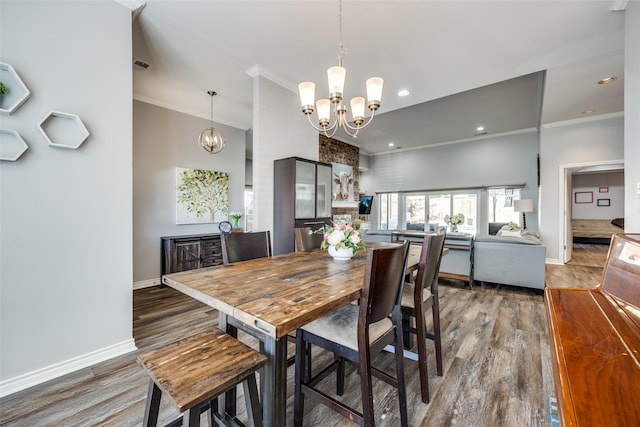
column 609, row 186
column 632, row 112
column 571, row 143
column 279, row 130
column 163, row 140
column 65, row 215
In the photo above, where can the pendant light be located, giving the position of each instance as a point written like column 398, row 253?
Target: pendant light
column 211, row 139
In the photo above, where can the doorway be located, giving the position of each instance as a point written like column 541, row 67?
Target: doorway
column 593, row 205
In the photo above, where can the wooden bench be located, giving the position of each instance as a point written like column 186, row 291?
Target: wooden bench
column 595, row 343
column 196, row 370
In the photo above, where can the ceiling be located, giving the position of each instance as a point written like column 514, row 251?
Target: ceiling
column 504, row 65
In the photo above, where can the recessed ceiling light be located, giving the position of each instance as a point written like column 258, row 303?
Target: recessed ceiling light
column 480, row 128
column 403, row 92
column 589, row 111
column 607, row 80
column 391, row 144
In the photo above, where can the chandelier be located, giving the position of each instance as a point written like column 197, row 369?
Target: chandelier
column 211, row 139
column 336, row 76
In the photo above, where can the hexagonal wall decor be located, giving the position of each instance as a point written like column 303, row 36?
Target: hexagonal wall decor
column 17, row 92
column 12, row 146
column 63, row 130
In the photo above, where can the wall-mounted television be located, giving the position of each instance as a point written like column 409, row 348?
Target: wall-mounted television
column 364, row 207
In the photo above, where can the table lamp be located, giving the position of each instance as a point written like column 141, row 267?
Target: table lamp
column 525, row 205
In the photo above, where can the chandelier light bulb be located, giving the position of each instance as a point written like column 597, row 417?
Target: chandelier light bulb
column 307, row 96
column 357, row 110
column 324, row 111
column 336, row 76
column 374, row 92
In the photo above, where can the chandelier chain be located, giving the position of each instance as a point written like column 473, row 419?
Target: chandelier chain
column 341, row 49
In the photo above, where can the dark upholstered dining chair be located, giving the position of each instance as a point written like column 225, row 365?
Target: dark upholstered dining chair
column 356, row 333
column 416, row 298
column 307, row 239
column 245, row 246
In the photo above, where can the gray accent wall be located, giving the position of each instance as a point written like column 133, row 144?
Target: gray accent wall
column 65, row 215
column 502, row 160
column 162, row 141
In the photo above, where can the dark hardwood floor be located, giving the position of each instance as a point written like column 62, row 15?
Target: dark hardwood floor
column 497, row 369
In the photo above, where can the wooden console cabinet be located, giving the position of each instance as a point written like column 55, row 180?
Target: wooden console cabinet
column 189, row 252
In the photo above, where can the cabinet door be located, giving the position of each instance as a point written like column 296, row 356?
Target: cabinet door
column 305, row 190
column 187, row 255
column 323, row 192
column 211, row 251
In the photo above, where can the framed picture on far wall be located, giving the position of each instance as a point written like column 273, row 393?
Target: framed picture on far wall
column 603, row 189
column 583, row 197
column 604, row 202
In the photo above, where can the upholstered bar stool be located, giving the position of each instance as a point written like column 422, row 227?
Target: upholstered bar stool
column 194, row 371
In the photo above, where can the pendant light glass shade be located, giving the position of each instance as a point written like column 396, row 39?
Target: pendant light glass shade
column 211, row 139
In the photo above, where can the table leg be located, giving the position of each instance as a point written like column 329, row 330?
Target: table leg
column 274, row 398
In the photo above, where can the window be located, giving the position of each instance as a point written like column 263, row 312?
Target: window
column 427, row 211
column 501, row 205
column 415, row 212
column 389, row 211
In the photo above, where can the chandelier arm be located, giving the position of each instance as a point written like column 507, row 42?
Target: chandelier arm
column 357, row 128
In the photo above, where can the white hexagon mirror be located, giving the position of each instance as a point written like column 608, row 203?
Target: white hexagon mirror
column 12, row 146
column 13, row 91
column 63, row 130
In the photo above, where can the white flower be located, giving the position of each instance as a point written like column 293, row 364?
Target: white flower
column 336, row 237
column 355, row 238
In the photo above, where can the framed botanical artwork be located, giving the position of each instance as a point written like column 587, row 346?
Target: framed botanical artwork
column 202, row 196
column 583, row 197
column 603, row 189
column 604, row 202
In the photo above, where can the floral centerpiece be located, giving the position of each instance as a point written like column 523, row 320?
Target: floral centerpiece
column 454, row 221
column 513, row 226
column 235, row 216
column 342, row 239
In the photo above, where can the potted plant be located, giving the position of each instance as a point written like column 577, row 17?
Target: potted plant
column 3, row 89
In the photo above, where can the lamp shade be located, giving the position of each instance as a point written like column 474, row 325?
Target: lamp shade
column 357, row 108
column 525, row 205
column 336, row 77
column 307, row 93
column 374, row 89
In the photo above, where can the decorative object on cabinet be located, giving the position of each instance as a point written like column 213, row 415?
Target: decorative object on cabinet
column 189, row 252
column 63, row 130
column 302, row 198
column 202, row 196
column 211, row 139
column 12, row 146
column 336, row 86
column 236, row 216
column 16, row 91
column 225, row 227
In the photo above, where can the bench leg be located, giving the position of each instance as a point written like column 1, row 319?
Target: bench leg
column 153, row 405
column 252, row 402
column 191, row 417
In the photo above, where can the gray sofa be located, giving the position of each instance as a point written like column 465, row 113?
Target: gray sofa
column 515, row 261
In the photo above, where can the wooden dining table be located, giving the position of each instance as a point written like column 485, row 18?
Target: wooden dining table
column 271, row 297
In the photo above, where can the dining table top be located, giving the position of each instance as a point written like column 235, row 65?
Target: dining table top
column 278, row 294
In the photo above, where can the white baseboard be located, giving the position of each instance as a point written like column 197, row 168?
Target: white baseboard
column 21, row 382
column 553, row 261
column 146, row 283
